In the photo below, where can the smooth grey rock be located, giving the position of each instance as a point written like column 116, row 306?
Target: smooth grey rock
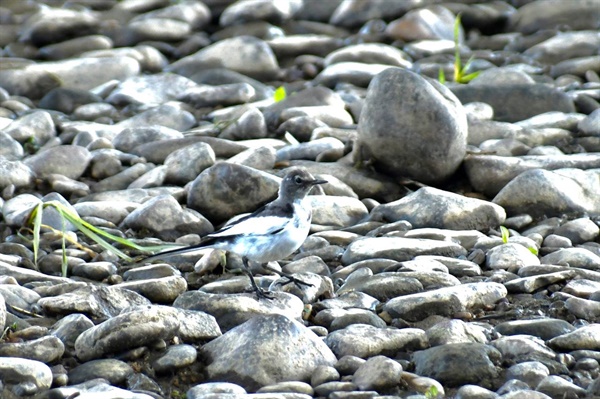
column 51, row 25
column 573, row 257
column 149, row 29
column 98, row 302
column 176, row 356
column 46, row 349
column 549, row 14
column 67, row 160
column 244, row 356
column 369, row 53
column 585, row 337
column 365, row 341
column 555, row 386
column 511, row 256
column 113, row 370
column 489, row 173
column 220, row 95
column 233, row 310
column 164, row 217
column 378, row 373
column 37, row 125
column 430, row 23
column 250, row 125
column 387, row 135
column 132, row 137
column 445, row 301
column 247, row 55
column 522, row 348
column 454, row 332
column 512, row 103
column 128, row 330
column 226, row 190
column 74, row 47
column 545, row 328
column 589, row 125
column 355, row 73
column 459, row 364
column 249, row 10
column 529, row 372
column 170, row 114
column 261, row 158
column 430, row 207
column 398, row 248
column 158, row 290
column 69, row 327
column 17, row 371
column 579, row 230
column 185, row 164
column 15, row 173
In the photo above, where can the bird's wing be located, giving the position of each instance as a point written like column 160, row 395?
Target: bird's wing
column 257, row 225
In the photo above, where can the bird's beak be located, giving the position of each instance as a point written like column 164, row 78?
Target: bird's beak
column 315, row 182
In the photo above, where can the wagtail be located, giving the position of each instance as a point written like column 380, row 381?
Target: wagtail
column 271, row 233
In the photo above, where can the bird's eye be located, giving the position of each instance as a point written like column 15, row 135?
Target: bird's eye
column 297, row 180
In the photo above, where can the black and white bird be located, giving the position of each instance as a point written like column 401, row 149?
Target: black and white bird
column 271, row 233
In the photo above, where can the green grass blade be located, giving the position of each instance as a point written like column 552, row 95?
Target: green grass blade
column 280, row 94
column 37, row 224
column 442, row 76
column 457, row 62
column 505, row 234
column 64, row 262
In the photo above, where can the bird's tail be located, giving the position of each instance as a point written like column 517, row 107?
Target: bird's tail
column 175, row 251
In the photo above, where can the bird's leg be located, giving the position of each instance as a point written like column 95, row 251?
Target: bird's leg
column 260, row 293
column 291, row 279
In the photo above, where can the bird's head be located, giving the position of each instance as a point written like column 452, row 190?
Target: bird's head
column 297, row 183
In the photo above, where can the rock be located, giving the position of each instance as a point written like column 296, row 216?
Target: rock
column 243, row 356
column 29, row 376
column 515, row 102
column 429, row 23
column 185, row 164
column 430, row 207
column 545, row 328
column 164, row 217
column 138, row 328
column 37, row 126
column 549, row 14
column 247, row 11
column 98, row 302
column 397, row 248
column 402, row 145
column 113, row 370
column 248, row 55
column 459, row 364
column 366, row 341
column 15, row 173
column 150, row 89
column 490, row 173
column 232, row 310
column 553, row 192
column 445, row 301
column 67, row 160
column 378, row 373
column 226, row 190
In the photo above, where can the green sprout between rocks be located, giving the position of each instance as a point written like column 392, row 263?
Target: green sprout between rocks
column 505, row 234
column 461, row 74
column 280, row 94
column 96, row 234
column 432, row 392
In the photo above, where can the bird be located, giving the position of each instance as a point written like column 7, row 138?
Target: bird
column 271, row 233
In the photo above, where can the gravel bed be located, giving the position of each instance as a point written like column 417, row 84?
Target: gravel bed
column 453, row 253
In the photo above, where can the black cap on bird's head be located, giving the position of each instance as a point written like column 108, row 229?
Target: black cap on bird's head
column 297, row 183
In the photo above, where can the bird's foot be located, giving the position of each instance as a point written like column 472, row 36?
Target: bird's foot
column 263, row 294
column 291, row 279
